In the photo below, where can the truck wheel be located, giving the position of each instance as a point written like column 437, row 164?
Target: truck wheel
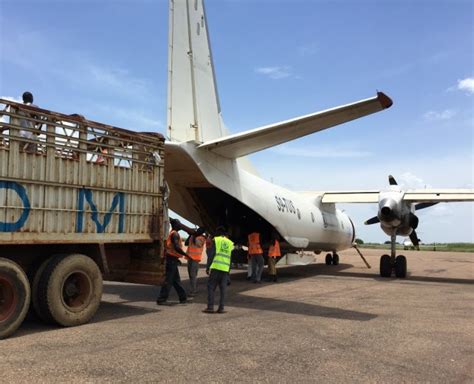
column 14, row 297
column 34, row 290
column 70, row 290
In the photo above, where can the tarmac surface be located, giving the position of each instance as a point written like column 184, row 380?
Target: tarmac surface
column 319, row 323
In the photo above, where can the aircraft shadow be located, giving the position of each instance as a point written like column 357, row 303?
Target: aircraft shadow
column 236, row 298
column 410, row 277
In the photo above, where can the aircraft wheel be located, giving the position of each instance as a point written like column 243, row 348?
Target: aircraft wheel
column 401, row 266
column 335, row 259
column 385, row 266
column 14, row 297
column 70, row 290
column 328, row 259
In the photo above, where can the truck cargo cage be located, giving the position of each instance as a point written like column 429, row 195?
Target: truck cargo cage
column 68, row 184
column 64, row 172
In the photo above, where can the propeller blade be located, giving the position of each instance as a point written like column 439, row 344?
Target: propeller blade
column 372, row 220
column 424, row 205
column 415, row 240
column 391, row 180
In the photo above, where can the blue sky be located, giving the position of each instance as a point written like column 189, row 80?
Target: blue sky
column 107, row 60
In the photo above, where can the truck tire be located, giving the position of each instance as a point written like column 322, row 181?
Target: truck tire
column 14, row 297
column 70, row 290
column 35, row 306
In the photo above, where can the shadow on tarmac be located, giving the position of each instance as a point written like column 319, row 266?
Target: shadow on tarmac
column 107, row 311
column 239, row 285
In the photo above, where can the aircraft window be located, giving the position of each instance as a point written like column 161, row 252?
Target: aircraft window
column 298, row 213
column 196, row 5
column 198, row 29
column 329, row 220
column 312, row 217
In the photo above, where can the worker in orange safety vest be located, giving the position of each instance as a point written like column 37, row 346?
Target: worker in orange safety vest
column 195, row 244
column 255, row 254
column 273, row 253
column 173, row 251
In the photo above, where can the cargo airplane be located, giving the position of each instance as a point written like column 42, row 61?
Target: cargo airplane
column 210, row 179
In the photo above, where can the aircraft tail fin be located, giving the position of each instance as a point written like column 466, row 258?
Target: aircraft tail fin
column 193, row 102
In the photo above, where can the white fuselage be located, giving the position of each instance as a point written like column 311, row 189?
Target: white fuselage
column 301, row 220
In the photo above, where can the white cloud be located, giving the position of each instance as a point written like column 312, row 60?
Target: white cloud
column 466, row 85
column 320, row 152
column 442, row 115
column 12, row 98
column 307, row 49
column 275, row 73
column 129, row 118
column 408, row 180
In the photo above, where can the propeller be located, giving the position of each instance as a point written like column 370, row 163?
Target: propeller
column 372, row 220
column 424, row 205
column 415, row 240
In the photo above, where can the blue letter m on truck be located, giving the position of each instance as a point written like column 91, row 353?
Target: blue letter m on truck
column 118, row 200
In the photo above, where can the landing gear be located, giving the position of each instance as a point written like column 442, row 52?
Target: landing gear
column 391, row 263
column 401, row 266
column 385, row 266
column 332, row 259
column 328, row 259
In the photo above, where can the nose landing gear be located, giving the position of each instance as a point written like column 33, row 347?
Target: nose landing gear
column 332, row 259
column 392, row 263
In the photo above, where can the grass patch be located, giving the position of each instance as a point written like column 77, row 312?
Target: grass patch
column 442, row 247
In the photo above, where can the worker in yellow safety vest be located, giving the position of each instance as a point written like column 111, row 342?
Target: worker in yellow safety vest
column 218, row 267
column 273, row 253
column 255, row 255
column 173, row 252
column 195, row 245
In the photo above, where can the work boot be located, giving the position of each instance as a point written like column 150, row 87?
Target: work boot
column 160, row 301
column 221, row 310
column 208, row 310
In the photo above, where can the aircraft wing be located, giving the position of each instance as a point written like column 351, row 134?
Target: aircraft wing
column 439, row 195
column 413, row 196
column 241, row 144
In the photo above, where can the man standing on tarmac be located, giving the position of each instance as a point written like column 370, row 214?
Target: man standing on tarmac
column 174, row 251
column 218, row 267
column 195, row 244
column 273, row 253
column 255, row 253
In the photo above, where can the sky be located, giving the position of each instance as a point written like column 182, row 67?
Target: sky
column 275, row 60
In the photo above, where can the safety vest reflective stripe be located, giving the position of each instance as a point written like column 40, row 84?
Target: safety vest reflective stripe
column 170, row 247
column 254, row 244
column 274, row 250
column 194, row 250
column 222, row 258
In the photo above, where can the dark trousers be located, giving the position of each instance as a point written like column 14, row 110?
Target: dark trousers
column 216, row 278
column 172, row 279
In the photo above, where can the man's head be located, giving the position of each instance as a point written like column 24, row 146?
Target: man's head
column 175, row 224
column 200, row 231
column 220, row 231
column 27, row 97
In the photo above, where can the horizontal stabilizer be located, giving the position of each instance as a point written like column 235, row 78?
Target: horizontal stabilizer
column 245, row 143
column 351, row 197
